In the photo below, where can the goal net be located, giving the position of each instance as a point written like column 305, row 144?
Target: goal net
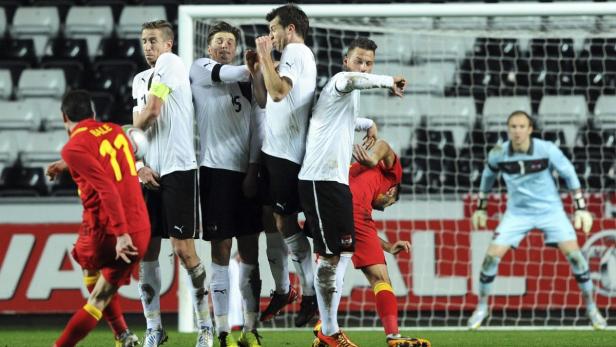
column 466, row 73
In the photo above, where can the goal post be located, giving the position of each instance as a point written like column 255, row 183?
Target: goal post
column 468, row 66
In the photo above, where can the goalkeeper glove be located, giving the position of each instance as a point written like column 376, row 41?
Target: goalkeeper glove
column 581, row 218
column 480, row 216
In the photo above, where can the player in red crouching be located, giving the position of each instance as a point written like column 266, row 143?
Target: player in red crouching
column 114, row 233
column 375, row 183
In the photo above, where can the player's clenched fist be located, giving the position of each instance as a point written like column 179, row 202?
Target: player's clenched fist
column 251, row 59
column 264, row 45
column 399, row 84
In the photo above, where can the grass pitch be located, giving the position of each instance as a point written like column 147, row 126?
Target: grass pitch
column 17, row 337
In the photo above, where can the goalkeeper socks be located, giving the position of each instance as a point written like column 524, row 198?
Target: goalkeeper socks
column 386, row 307
column 196, row 283
column 78, row 327
column 250, row 287
column 489, row 268
column 149, row 291
column 219, row 287
column 277, row 254
column 113, row 312
column 302, row 260
column 580, row 269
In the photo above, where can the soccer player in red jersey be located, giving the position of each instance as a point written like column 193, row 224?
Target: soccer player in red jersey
column 375, row 184
column 100, row 159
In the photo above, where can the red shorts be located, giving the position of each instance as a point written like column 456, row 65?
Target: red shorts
column 368, row 249
column 96, row 251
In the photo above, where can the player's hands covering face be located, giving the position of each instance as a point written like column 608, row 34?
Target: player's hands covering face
column 125, row 248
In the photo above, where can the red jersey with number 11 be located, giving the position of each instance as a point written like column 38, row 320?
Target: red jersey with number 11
column 100, row 159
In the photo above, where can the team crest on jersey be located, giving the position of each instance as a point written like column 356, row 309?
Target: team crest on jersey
column 346, row 241
column 600, row 251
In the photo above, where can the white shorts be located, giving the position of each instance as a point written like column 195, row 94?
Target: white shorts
column 555, row 225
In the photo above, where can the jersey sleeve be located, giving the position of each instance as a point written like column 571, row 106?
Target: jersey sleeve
column 292, row 63
column 168, row 71
column 82, row 162
column 490, row 170
column 563, row 166
column 206, row 72
column 135, row 92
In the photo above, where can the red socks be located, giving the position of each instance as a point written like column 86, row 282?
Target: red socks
column 82, row 322
column 386, row 307
column 113, row 312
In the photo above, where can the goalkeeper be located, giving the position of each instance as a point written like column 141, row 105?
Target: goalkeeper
column 533, row 202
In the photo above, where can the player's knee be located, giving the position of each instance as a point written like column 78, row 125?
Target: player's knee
column 579, row 265
column 489, row 268
column 326, row 274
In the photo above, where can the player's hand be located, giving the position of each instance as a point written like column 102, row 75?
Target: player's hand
column 582, row 219
column 400, row 246
column 125, row 248
column 479, row 219
column 370, row 138
column 264, row 46
column 363, row 157
column 398, row 88
column 55, row 168
column 149, row 178
column 251, row 59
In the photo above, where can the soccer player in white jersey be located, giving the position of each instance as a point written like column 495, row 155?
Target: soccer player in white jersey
column 164, row 109
column 287, row 92
column 324, row 179
column 533, row 203
column 228, row 119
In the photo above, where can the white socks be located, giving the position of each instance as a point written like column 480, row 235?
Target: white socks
column 196, row 283
column 250, row 287
column 149, row 291
column 302, row 260
column 219, row 288
column 277, row 254
column 329, row 279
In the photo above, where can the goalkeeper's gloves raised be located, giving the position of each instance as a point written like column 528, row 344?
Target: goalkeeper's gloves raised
column 581, row 218
column 480, row 216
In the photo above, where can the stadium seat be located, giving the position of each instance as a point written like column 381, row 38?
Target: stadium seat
column 516, row 23
column 9, row 147
column 457, row 23
column 122, row 49
column 2, row 22
column 41, row 83
column 116, row 6
column 496, row 47
column 19, row 115
column 566, row 113
column 43, row 148
column 49, row 110
column 37, row 23
column 497, row 108
column 437, row 48
column 63, row 49
column 18, row 181
column 133, row 17
column 605, row 112
column 103, row 105
column 6, row 84
column 414, row 23
column 18, row 50
column 73, row 71
column 89, row 23
column 15, row 68
column 455, row 114
column 63, row 185
column 468, row 169
column 391, row 48
column 587, row 23
column 113, row 76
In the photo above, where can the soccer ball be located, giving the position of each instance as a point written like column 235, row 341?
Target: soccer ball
column 138, row 140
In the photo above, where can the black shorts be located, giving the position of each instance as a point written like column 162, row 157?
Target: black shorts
column 328, row 207
column 279, row 177
column 225, row 211
column 173, row 208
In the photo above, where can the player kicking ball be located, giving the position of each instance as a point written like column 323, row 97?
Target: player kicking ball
column 115, row 231
column 533, row 203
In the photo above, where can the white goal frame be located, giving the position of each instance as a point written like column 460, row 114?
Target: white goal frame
column 188, row 13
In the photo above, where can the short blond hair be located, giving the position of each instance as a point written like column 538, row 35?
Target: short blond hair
column 165, row 27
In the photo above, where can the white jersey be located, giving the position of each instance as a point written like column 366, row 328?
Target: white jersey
column 286, row 121
column 329, row 145
column 225, row 110
column 171, row 136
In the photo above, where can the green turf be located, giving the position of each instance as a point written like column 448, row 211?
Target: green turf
column 102, row 338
